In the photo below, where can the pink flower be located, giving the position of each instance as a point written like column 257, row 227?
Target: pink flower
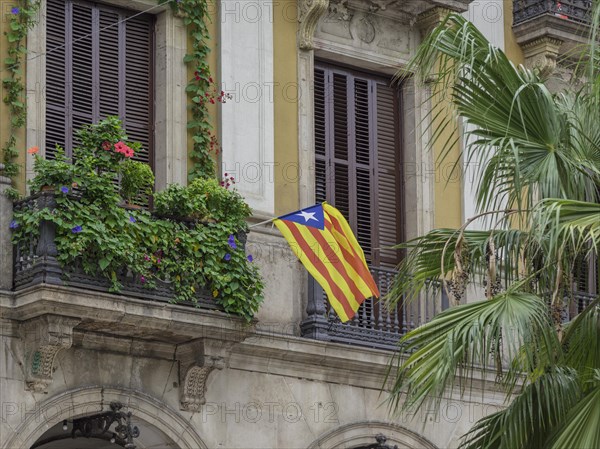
column 120, row 147
column 128, row 152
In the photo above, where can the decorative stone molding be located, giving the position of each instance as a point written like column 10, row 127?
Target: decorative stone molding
column 428, row 20
column 309, row 13
column 339, row 10
column 542, row 54
column 197, row 360
column 43, row 338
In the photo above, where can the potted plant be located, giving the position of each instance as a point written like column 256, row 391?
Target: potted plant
column 137, row 180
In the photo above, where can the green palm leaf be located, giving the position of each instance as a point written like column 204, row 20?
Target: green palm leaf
column 580, row 429
column 526, row 422
column 463, row 338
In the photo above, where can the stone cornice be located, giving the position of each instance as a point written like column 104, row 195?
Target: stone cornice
column 122, row 316
column 338, row 363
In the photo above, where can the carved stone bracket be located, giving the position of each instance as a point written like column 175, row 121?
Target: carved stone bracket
column 197, row 360
column 43, row 338
column 541, row 54
column 309, row 13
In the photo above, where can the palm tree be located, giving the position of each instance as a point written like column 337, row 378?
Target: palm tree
column 539, row 189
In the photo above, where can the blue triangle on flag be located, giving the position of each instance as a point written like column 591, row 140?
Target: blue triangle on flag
column 311, row 216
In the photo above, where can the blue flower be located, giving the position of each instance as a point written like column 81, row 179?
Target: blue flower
column 227, row 257
column 13, row 225
column 231, row 241
column 64, row 189
column 15, row 10
column 132, row 219
column 250, row 258
column 76, row 230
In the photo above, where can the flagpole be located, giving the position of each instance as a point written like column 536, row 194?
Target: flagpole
column 275, row 218
column 262, row 222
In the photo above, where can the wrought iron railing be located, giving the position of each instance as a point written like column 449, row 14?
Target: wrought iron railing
column 35, row 263
column 575, row 10
column 374, row 325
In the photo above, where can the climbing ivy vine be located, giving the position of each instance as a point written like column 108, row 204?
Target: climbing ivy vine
column 201, row 88
column 21, row 19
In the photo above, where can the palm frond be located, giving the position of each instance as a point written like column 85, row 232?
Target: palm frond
column 582, row 340
column 462, row 338
column 526, row 422
column 568, row 222
column 422, row 265
column 517, row 134
column 580, row 428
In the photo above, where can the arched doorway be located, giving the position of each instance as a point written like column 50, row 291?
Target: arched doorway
column 105, row 430
column 363, row 435
column 160, row 425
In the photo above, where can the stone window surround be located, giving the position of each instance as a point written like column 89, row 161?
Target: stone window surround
column 170, row 75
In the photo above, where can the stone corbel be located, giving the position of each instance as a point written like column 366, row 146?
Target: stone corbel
column 309, row 13
column 541, row 54
column 197, row 360
column 43, row 338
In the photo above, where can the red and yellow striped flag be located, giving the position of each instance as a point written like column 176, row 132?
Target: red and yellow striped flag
column 323, row 241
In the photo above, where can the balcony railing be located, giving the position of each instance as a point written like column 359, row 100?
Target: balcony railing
column 575, row 10
column 374, row 325
column 35, row 263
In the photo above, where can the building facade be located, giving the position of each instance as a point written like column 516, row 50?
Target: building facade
column 314, row 114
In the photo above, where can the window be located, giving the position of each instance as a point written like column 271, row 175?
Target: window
column 99, row 62
column 358, row 158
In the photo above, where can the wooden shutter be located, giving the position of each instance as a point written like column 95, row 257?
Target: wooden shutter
column 388, row 180
column 357, row 156
column 99, row 63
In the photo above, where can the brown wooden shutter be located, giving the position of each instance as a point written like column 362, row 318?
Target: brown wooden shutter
column 357, row 156
column 99, row 63
column 388, row 179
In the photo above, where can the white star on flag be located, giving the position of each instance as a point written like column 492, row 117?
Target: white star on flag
column 308, row 216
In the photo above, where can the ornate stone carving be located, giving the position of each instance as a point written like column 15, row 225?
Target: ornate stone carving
column 541, row 54
column 43, row 338
column 339, row 9
column 309, row 13
column 197, row 360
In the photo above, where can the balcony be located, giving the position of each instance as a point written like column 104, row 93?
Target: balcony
column 374, row 325
column 579, row 11
column 35, row 263
column 550, row 31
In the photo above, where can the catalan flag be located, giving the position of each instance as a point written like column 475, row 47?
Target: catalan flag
column 323, row 241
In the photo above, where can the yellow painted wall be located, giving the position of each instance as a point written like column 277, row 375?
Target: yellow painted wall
column 511, row 48
column 286, row 107
column 448, row 190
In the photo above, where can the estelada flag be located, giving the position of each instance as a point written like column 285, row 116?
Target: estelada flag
column 322, row 239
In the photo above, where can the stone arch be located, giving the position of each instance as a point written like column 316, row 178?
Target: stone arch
column 90, row 400
column 363, row 433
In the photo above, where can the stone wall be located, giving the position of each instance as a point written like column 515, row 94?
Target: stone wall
column 276, row 392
